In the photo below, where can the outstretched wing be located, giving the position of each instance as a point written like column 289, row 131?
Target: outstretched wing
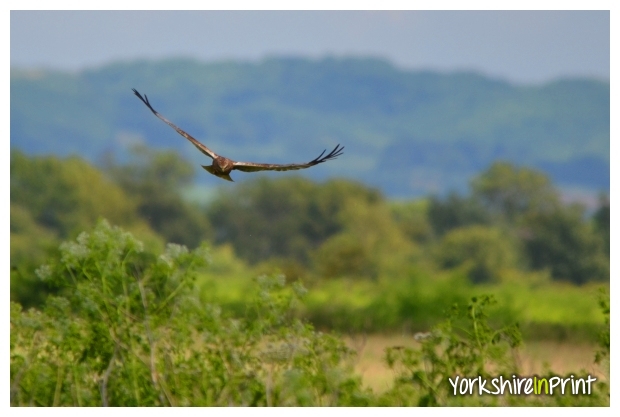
column 253, row 166
column 202, row 148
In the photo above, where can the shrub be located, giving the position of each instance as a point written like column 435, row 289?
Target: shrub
column 466, row 345
column 462, row 345
column 126, row 330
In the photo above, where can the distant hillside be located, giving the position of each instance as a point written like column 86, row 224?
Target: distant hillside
column 407, row 132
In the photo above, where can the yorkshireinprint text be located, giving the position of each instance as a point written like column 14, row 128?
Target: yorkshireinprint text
column 526, row 385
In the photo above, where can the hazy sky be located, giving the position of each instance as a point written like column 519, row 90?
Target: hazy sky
column 521, row 46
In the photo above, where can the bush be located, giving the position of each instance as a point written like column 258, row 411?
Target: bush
column 462, row 345
column 466, row 345
column 126, row 330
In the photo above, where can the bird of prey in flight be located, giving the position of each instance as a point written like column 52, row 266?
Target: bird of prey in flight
column 222, row 166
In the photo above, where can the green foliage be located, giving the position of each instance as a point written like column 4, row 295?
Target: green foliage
column 66, row 196
column 345, row 255
column 127, row 330
column 563, row 242
column 30, row 242
column 455, row 211
column 288, row 217
column 54, row 199
column 483, row 252
column 536, row 229
column 411, row 302
column 124, row 326
column 155, row 179
column 370, row 244
column 335, row 229
column 413, row 219
column 464, row 344
column 509, row 191
column 605, row 336
column 602, row 222
column 391, row 267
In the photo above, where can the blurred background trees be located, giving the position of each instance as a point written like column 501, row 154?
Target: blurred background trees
column 396, row 256
column 426, row 130
column 53, row 199
column 155, row 180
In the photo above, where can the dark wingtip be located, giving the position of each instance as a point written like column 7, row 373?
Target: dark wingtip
column 137, row 94
column 144, row 99
column 336, row 152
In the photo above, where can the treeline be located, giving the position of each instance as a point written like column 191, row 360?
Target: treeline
column 512, row 219
column 444, row 127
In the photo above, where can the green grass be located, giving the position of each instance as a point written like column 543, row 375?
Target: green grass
column 418, row 300
column 553, row 303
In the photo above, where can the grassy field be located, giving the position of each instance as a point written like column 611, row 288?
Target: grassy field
column 534, row 358
column 556, row 339
column 413, row 302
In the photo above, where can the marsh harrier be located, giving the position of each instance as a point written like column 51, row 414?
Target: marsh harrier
column 222, row 166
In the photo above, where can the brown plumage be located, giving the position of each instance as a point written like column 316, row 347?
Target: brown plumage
column 222, row 166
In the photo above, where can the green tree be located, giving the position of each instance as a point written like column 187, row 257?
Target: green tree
column 509, row 191
column 601, row 222
column 288, row 218
column 371, row 243
column 412, row 218
column 155, row 179
column 563, row 242
column 66, row 196
column 344, row 255
column 484, row 252
column 455, row 211
column 555, row 236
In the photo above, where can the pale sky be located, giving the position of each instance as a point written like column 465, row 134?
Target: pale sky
column 518, row 46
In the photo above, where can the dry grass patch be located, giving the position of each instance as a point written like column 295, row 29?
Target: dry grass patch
column 533, row 357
